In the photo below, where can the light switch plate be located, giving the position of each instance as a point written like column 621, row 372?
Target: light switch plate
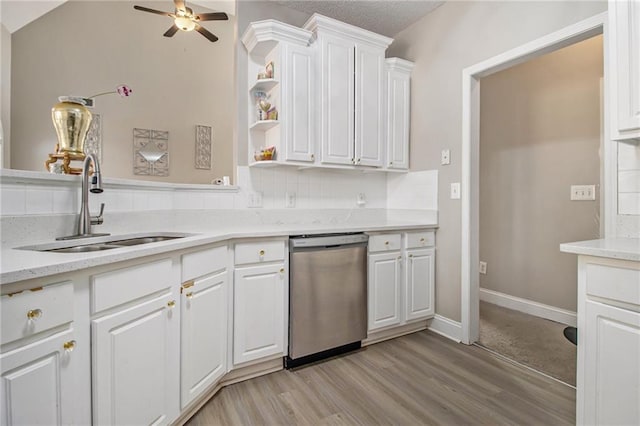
column 483, row 268
column 255, row 200
column 583, row 192
column 290, row 200
column 361, row 199
column 455, row 191
column 445, row 157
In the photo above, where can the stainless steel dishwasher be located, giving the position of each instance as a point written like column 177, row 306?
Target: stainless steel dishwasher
column 327, row 296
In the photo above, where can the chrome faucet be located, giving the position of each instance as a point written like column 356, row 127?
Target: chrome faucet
column 85, row 219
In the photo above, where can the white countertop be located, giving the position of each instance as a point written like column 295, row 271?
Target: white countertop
column 18, row 264
column 613, row 248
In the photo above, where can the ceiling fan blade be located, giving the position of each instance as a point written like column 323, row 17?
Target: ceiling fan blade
column 180, row 5
column 216, row 16
column 157, row 12
column 206, row 33
column 171, row 31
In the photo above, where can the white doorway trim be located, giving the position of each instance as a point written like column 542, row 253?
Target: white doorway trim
column 471, row 147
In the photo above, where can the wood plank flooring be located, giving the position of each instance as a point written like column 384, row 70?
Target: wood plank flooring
column 421, row 378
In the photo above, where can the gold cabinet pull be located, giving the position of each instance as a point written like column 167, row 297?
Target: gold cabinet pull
column 261, row 253
column 171, row 304
column 34, row 314
column 189, row 295
column 69, row 346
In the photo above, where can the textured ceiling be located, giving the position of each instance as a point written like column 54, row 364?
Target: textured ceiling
column 386, row 17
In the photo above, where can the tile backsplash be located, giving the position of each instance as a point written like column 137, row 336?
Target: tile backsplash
column 306, row 189
column 628, row 179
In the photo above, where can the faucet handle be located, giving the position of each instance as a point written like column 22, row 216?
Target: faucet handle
column 98, row 220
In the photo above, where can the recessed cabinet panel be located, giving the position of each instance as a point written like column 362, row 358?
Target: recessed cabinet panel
column 419, row 287
column 258, row 312
column 298, row 88
column 369, row 105
column 204, row 335
column 398, row 119
column 38, row 383
column 337, row 100
column 131, row 364
column 384, row 285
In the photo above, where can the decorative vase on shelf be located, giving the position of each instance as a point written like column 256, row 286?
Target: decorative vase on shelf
column 71, row 119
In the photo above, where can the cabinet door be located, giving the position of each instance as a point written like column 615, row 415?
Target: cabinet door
column 38, row 382
column 419, row 284
column 204, row 335
column 297, row 114
column 624, row 75
column 337, row 100
column 398, row 104
column 370, row 117
column 611, row 365
column 135, row 368
column 258, row 312
column 384, row 285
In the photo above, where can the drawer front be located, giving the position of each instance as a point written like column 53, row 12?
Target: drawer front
column 614, row 283
column 114, row 288
column 421, row 239
column 384, row 242
column 259, row 252
column 203, row 263
column 30, row 312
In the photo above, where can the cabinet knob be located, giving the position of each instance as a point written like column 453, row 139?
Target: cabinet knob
column 358, row 161
column 399, row 258
column 386, row 243
column 282, row 270
column 189, row 295
column 422, row 240
column 34, row 314
column 261, row 253
column 69, row 346
column 313, row 157
column 391, row 163
column 171, row 304
column 410, row 255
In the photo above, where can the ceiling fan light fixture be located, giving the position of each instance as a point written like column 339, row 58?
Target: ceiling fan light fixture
column 184, row 23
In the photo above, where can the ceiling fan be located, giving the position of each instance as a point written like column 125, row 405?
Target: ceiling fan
column 184, row 19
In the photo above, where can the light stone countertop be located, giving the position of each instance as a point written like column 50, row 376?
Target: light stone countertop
column 19, row 264
column 613, row 248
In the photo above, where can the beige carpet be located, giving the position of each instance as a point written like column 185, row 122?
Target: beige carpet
column 532, row 341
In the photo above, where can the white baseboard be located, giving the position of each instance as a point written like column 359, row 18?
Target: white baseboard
column 446, row 327
column 529, row 307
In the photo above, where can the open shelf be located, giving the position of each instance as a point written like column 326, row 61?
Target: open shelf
column 264, row 125
column 264, row 85
column 265, row 164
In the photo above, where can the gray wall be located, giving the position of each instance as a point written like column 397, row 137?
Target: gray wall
column 442, row 44
column 5, row 93
column 83, row 48
column 539, row 134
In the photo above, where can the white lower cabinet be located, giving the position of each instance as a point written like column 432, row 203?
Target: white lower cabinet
column 203, row 334
column 38, row 382
column 259, row 312
column 400, row 278
column 136, row 348
column 608, row 371
column 384, row 287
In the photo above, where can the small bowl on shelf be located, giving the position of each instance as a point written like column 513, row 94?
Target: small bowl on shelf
column 265, row 154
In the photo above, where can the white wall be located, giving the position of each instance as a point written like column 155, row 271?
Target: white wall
column 457, row 35
column 5, row 94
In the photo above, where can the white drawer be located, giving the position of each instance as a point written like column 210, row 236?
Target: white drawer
column 259, row 252
column 204, row 262
column 114, row 288
column 614, row 283
column 384, row 242
column 420, row 239
column 33, row 311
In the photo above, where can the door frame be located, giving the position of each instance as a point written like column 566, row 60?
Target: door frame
column 470, row 278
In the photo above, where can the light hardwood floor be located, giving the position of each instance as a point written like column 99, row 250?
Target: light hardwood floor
column 421, row 378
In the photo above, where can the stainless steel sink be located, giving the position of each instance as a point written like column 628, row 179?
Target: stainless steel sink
column 88, row 245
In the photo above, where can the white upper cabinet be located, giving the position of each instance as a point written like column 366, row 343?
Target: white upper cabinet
column 398, row 111
column 289, row 90
column 624, row 69
column 350, row 91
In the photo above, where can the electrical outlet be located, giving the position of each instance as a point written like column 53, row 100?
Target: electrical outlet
column 290, row 200
column 255, row 200
column 445, row 157
column 361, row 199
column 483, row 267
column 455, row 191
column 583, row 192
